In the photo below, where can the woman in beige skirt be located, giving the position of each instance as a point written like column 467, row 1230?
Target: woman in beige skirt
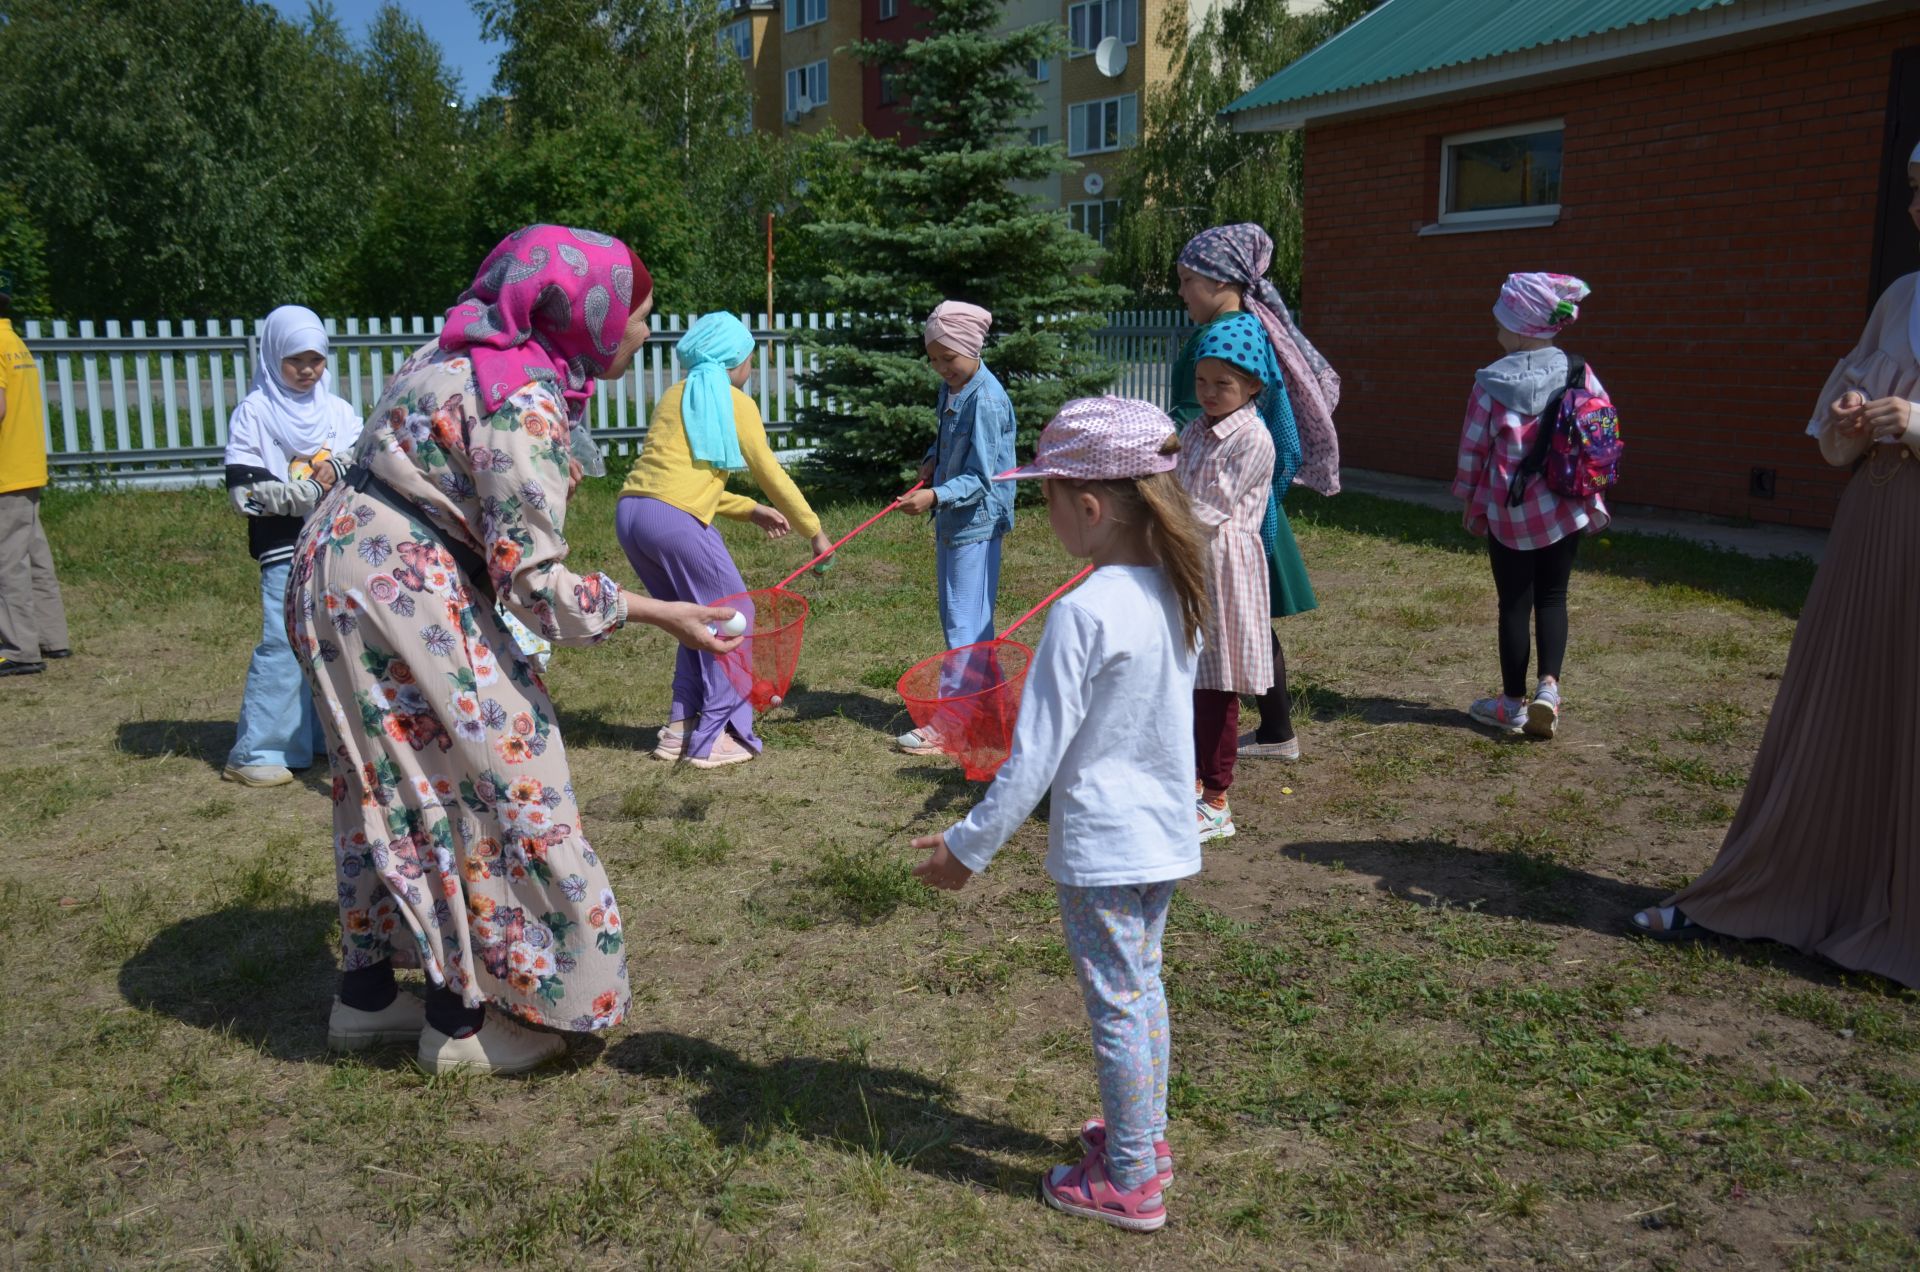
column 1824, row 854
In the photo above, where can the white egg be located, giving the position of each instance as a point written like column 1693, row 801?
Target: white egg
column 735, row 626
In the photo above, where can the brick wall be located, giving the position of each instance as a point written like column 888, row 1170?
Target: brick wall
column 1723, row 211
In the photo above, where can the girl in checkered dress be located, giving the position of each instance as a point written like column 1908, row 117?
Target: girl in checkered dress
column 1231, row 465
column 1532, row 545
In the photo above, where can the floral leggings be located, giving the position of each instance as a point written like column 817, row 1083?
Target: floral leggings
column 1113, row 936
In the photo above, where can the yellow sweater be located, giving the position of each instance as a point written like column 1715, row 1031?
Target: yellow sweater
column 666, row 469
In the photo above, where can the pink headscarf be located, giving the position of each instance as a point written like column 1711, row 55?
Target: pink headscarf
column 1241, row 254
column 549, row 303
column 960, row 327
column 1539, row 306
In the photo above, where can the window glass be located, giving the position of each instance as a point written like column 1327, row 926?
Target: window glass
column 1493, row 174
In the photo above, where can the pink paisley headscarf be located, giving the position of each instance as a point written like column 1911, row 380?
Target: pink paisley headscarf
column 549, row 303
column 1539, row 306
column 1241, row 254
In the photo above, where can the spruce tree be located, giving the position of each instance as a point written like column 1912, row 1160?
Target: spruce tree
column 914, row 224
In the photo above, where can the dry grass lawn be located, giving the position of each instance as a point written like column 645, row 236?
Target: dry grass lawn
column 1408, row 1031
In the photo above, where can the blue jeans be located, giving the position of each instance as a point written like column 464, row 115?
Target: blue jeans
column 968, row 580
column 277, row 720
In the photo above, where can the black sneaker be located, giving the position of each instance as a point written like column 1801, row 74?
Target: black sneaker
column 54, row 655
column 20, row 667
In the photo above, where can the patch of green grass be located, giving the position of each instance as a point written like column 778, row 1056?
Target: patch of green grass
column 866, row 885
column 215, row 809
column 45, row 793
column 1720, row 722
column 686, row 845
column 1688, row 769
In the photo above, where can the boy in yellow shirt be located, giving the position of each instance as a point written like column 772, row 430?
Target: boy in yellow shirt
column 33, row 621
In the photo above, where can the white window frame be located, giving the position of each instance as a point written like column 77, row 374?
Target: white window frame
column 1115, row 19
column 889, row 9
column 800, row 81
column 1097, row 207
column 803, row 13
column 1533, row 213
column 1040, row 69
column 1126, row 124
column 1039, row 135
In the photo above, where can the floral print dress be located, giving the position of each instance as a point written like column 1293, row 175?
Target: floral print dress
column 457, row 837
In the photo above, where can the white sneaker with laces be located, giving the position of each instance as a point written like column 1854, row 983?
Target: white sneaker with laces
column 1215, row 823
column 350, row 1029
column 502, row 1046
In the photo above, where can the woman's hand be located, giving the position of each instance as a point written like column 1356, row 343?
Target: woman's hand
column 941, row 869
column 1890, row 419
column 926, row 470
column 917, row 502
column 684, row 622
column 323, row 472
column 772, row 521
column 1846, row 414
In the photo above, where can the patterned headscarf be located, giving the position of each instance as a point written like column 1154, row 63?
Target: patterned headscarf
column 1242, row 254
column 549, row 303
column 1539, row 306
column 714, row 345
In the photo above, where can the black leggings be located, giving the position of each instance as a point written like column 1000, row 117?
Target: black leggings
column 1276, row 704
column 1532, row 584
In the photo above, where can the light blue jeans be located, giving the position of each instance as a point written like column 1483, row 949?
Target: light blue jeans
column 968, row 580
column 277, row 721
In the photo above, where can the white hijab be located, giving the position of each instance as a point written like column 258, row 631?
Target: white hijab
column 1913, row 310
column 274, row 424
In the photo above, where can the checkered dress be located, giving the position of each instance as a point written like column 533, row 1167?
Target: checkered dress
column 1493, row 442
column 1227, row 468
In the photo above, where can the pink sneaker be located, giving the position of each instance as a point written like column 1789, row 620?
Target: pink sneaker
column 1093, row 1138
column 1085, row 1190
column 1501, row 713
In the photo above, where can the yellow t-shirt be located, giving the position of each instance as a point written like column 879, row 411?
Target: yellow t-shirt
column 667, row 471
column 23, row 445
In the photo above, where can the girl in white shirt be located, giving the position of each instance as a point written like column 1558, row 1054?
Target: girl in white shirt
column 1106, row 722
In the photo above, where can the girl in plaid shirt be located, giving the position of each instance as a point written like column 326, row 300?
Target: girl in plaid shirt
column 1532, row 546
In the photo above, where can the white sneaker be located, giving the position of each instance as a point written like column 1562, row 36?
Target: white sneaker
column 673, row 741
column 502, row 1046
column 1543, row 712
column 918, row 742
column 350, row 1029
column 1215, row 823
column 1252, row 748
column 257, row 774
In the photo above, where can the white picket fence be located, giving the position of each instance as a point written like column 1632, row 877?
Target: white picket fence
column 143, row 404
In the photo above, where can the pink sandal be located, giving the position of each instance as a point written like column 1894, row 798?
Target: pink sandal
column 1093, row 1138
column 1086, row 1191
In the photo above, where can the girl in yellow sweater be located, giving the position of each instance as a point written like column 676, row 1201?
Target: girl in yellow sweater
column 703, row 428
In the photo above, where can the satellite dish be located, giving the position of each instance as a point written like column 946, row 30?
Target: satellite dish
column 1110, row 57
column 1094, row 183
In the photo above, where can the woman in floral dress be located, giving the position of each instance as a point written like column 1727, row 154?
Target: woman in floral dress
column 456, row 832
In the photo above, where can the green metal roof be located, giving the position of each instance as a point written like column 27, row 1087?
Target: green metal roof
column 1408, row 37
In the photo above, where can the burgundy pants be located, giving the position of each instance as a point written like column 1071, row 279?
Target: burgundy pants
column 1216, row 736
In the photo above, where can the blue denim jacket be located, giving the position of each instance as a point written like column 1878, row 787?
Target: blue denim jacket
column 974, row 443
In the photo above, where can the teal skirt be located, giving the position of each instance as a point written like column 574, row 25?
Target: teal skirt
column 1287, row 582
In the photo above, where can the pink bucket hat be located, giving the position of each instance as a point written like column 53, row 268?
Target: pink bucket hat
column 1101, row 439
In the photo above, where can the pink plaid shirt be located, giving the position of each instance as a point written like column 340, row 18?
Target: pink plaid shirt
column 1493, row 441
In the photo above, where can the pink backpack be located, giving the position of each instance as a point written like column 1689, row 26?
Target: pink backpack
column 1578, row 446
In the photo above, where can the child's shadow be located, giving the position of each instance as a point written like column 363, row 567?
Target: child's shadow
column 895, row 1114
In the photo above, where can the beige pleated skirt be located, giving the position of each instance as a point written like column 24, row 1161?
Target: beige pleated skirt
column 1822, row 854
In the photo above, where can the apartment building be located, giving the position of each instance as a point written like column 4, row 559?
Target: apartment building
column 1090, row 98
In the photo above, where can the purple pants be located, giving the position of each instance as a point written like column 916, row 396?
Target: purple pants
column 679, row 559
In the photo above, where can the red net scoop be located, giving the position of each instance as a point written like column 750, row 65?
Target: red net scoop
column 966, row 700
column 761, row 669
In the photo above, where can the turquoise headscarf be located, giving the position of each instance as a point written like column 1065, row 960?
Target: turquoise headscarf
column 713, row 346
column 1241, row 341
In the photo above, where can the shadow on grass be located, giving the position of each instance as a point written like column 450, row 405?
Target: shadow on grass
column 1779, row 584
column 895, row 1114
column 951, row 786
column 595, row 728
column 832, row 704
column 208, row 741
column 264, row 973
column 1532, row 887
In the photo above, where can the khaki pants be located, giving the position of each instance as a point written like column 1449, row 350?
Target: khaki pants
column 32, row 618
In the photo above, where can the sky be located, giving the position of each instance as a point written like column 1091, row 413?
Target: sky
column 450, row 22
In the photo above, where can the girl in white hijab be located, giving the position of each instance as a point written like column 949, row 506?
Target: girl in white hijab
column 286, row 446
